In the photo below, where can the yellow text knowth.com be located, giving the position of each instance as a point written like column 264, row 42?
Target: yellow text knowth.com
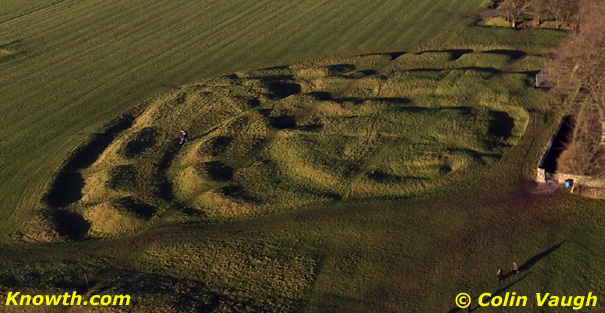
column 18, row 299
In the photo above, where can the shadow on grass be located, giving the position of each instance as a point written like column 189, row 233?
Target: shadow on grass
column 311, row 127
column 137, row 207
column 217, row 145
column 382, row 177
column 524, row 267
column 65, row 189
column 357, row 101
column 164, row 188
column 282, row 122
column 68, row 224
column 392, row 55
column 501, row 125
column 368, row 72
column 487, row 70
column 512, row 54
column 536, row 258
column 143, row 140
column 321, row 95
column 425, row 70
column 282, row 89
column 253, row 103
column 122, row 177
column 455, row 54
column 340, row 69
column 67, row 186
column 239, row 193
column 395, row 55
column 218, row 171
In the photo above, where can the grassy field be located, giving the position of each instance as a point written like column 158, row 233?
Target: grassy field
column 68, row 67
column 348, row 161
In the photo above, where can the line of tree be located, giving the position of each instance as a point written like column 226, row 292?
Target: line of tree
column 578, row 69
column 539, row 10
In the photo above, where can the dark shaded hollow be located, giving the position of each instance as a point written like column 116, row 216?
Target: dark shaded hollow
column 352, row 100
column 428, row 70
column 282, row 122
column 67, row 186
column 122, row 177
column 362, row 73
column 501, row 125
column 368, row 72
column 321, row 95
column 218, row 145
column 218, row 171
column 137, row 207
column 181, row 98
column 164, row 185
column 340, row 69
column 489, row 70
column 512, row 54
column 392, row 55
column 284, row 89
column 254, row 102
column 65, row 190
column 273, row 78
column 311, row 127
column 382, row 177
column 393, row 100
column 238, row 192
column 69, row 225
column 455, row 54
column 395, row 55
column 273, row 68
column 265, row 112
column 87, row 154
column 560, row 142
column 143, row 140
column 333, row 196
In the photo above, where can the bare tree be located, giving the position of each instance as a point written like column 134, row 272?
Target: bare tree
column 538, row 11
column 578, row 68
column 561, row 10
column 514, row 9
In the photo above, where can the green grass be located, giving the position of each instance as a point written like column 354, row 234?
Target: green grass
column 267, row 143
column 304, row 233
column 79, row 64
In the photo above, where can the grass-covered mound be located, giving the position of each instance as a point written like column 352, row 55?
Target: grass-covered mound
column 378, row 126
